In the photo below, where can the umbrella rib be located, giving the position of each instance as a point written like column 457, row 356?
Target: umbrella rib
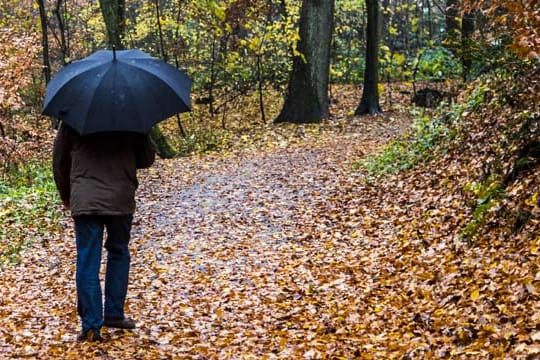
column 92, row 97
column 70, row 79
column 137, row 104
column 186, row 101
column 155, row 95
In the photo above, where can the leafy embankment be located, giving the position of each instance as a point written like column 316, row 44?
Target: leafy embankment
column 289, row 251
column 453, row 267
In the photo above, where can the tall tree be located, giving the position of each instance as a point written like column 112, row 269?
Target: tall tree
column 62, row 27
column 429, row 18
column 307, row 95
column 452, row 19
column 459, row 29
column 44, row 40
column 369, row 104
column 160, row 32
column 467, row 29
column 114, row 15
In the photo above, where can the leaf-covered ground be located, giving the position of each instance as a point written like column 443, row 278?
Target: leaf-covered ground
column 227, row 258
column 286, row 252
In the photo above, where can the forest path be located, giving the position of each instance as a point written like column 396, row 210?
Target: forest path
column 230, row 258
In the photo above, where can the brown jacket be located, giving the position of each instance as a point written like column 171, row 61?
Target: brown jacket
column 97, row 174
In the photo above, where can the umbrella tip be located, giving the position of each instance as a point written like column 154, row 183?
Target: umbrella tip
column 114, row 52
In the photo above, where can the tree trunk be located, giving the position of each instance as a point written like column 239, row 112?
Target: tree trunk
column 467, row 29
column 369, row 104
column 452, row 26
column 62, row 28
column 386, row 19
column 44, row 41
column 114, row 15
column 406, row 26
column 307, row 95
column 429, row 19
column 459, row 31
column 260, row 89
column 160, row 32
column 451, row 18
column 46, row 60
column 163, row 148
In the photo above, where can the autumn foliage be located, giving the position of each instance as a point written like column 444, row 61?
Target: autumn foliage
column 19, row 70
column 518, row 19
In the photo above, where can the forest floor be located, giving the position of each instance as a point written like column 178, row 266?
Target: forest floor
column 285, row 251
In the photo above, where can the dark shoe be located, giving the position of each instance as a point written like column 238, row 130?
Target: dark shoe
column 125, row 323
column 89, row 335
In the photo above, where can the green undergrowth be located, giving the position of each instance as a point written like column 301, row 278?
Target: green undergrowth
column 488, row 196
column 421, row 143
column 428, row 137
column 206, row 140
column 27, row 208
column 202, row 141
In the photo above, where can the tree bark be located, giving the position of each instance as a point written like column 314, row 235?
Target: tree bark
column 62, row 28
column 429, row 19
column 114, row 15
column 44, row 41
column 386, row 19
column 307, row 95
column 451, row 18
column 160, row 32
column 459, row 31
column 452, row 27
column 467, row 29
column 369, row 104
column 260, row 89
column 163, row 148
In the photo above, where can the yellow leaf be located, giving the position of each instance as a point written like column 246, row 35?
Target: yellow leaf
column 439, row 312
column 475, row 294
column 219, row 313
column 532, row 200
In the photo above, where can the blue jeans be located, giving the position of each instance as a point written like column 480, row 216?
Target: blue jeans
column 89, row 237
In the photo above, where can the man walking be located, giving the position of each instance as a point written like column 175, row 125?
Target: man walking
column 96, row 178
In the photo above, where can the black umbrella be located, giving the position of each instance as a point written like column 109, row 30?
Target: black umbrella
column 125, row 90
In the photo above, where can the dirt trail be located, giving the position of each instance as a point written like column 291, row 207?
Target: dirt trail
column 220, row 265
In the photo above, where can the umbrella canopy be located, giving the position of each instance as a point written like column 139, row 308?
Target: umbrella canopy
column 125, row 90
